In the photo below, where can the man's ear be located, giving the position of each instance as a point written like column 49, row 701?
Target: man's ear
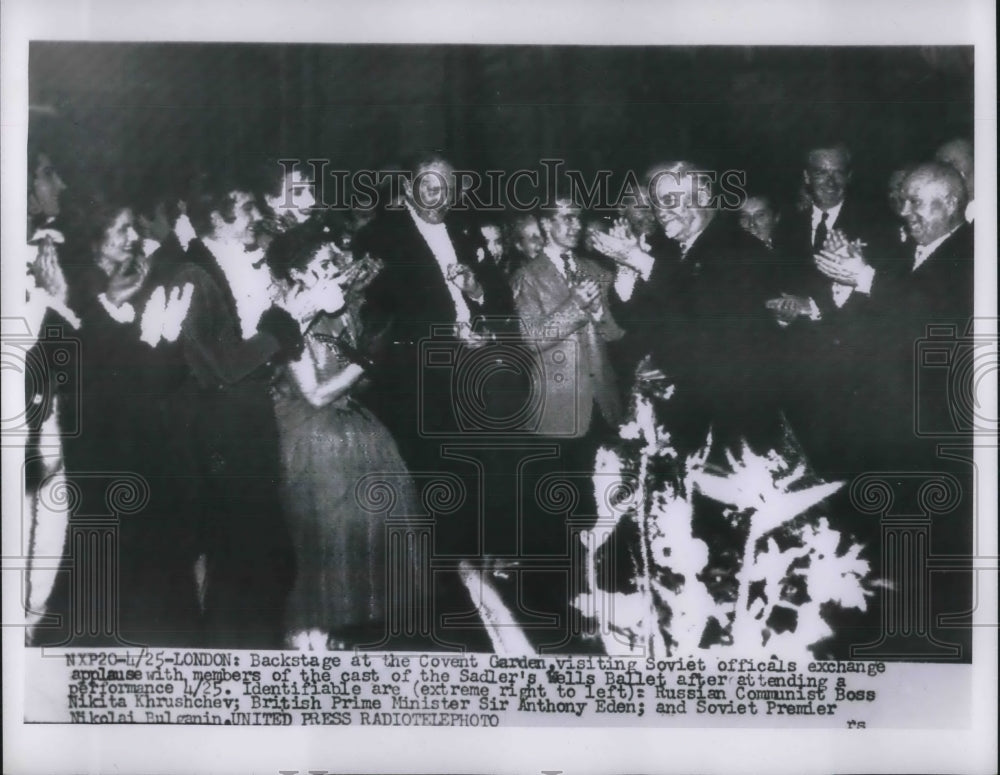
column 408, row 188
column 950, row 203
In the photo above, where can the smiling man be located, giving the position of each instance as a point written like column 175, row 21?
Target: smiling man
column 836, row 212
column 698, row 311
column 933, row 209
column 932, row 286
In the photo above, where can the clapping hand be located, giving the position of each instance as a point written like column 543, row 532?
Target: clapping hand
column 48, row 273
column 616, row 244
column 622, row 229
column 587, row 293
column 787, row 307
column 126, row 281
column 841, row 259
column 838, row 243
column 165, row 313
column 846, row 270
column 461, row 277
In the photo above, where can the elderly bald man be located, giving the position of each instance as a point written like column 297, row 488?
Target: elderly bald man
column 930, row 290
column 933, row 208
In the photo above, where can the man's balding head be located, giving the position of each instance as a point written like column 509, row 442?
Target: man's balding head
column 681, row 197
column 933, row 201
column 959, row 154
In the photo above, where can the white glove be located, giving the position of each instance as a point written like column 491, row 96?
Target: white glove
column 164, row 315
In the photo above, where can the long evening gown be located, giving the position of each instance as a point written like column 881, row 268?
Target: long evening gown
column 342, row 582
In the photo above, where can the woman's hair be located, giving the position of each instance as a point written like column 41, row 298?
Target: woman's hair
column 89, row 222
column 295, row 247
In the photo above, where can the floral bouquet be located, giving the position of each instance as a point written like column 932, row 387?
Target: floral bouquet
column 735, row 556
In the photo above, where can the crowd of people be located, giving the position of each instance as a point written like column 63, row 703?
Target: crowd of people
column 260, row 363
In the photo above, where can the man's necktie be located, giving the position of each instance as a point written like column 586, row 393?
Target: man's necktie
column 567, row 259
column 821, row 231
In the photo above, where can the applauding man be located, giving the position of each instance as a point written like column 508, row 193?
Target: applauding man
column 934, row 286
column 936, row 282
column 698, row 308
column 562, row 299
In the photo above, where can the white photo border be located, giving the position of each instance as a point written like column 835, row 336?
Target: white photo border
column 64, row 748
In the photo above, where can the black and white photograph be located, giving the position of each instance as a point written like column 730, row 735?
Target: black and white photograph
column 513, row 376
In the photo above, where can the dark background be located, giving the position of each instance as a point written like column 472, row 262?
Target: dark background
column 136, row 120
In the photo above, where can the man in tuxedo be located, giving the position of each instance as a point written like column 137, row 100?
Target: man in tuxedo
column 426, row 303
column 229, row 251
column 49, row 402
column 223, row 391
column 433, row 284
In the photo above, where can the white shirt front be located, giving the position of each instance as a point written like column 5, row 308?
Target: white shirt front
column 923, row 252
column 686, row 244
column 439, row 241
column 249, row 284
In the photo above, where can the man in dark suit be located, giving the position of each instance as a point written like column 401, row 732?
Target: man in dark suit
column 800, row 235
column 935, row 289
column 895, row 417
column 698, row 311
column 434, row 380
column 223, row 391
column 824, row 315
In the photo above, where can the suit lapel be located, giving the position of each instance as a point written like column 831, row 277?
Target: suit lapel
column 554, row 285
